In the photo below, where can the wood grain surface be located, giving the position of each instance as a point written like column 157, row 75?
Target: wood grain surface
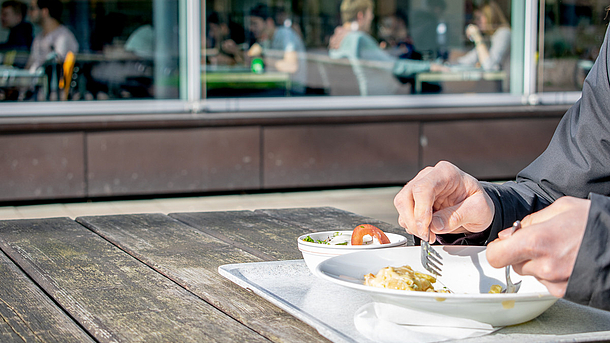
column 191, row 258
column 28, row 315
column 108, row 292
column 152, row 277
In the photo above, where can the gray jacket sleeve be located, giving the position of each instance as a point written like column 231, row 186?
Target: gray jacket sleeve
column 576, row 163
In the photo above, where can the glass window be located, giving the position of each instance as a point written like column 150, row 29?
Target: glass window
column 89, row 50
column 572, row 35
column 355, row 47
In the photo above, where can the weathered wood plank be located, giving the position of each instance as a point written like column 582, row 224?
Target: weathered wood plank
column 255, row 231
column 275, row 232
column 112, row 295
column 28, row 315
column 191, row 258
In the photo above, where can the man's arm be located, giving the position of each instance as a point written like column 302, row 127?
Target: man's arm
column 576, row 163
column 288, row 64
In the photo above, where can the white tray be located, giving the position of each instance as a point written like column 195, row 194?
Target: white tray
column 330, row 308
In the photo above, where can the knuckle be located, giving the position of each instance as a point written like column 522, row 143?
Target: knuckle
column 421, row 187
column 455, row 219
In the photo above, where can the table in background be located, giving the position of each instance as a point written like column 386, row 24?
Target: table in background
column 154, row 277
column 11, row 77
column 460, row 75
column 244, row 80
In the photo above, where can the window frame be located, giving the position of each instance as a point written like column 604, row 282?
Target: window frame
column 191, row 19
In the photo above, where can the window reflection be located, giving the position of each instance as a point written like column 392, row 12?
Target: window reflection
column 90, row 50
column 573, row 32
column 355, row 47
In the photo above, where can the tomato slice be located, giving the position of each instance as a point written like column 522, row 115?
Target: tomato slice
column 367, row 229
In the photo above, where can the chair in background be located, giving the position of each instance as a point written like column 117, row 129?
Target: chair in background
column 340, row 77
column 67, row 81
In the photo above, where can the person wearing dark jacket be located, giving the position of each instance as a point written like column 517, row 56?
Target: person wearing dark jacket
column 20, row 32
column 562, row 199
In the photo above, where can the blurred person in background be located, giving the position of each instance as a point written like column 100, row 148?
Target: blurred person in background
column 429, row 30
column 490, row 24
column 279, row 44
column 394, row 35
column 224, row 40
column 353, row 41
column 128, row 69
column 20, row 34
column 54, row 40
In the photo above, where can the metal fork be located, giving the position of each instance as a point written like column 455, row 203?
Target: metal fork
column 430, row 258
column 510, row 286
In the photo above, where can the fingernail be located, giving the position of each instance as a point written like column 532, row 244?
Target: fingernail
column 438, row 224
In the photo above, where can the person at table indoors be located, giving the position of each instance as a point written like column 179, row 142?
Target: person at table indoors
column 54, row 40
column 562, row 199
column 395, row 38
column 128, row 71
column 20, row 34
column 353, row 41
column 224, row 38
column 279, row 44
column 489, row 22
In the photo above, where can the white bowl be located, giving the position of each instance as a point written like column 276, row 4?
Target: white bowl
column 465, row 271
column 314, row 253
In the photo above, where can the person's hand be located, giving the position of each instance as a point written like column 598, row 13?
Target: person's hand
column 444, row 199
column 435, row 67
column 337, row 37
column 229, row 47
column 255, row 50
column 473, row 33
column 547, row 244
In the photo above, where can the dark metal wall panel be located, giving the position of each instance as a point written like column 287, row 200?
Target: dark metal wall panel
column 173, row 161
column 332, row 155
column 41, row 166
column 487, row 149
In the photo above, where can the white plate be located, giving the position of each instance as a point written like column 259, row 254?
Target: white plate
column 466, row 272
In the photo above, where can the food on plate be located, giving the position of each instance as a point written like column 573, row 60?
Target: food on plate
column 495, row 289
column 363, row 230
column 364, row 234
column 402, row 278
column 337, row 238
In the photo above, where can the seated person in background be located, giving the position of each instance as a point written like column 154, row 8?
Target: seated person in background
column 424, row 27
column 490, row 21
column 353, row 41
column 395, row 38
column 20, row 32
column 128, row 71
column 224, row 37
column 281, row 46
column 54, row 38
column 141, row 42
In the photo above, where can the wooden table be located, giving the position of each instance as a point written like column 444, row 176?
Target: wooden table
column 151, row 277
column 154, row 278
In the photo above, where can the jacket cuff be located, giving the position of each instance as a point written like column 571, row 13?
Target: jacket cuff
column 589, row 283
